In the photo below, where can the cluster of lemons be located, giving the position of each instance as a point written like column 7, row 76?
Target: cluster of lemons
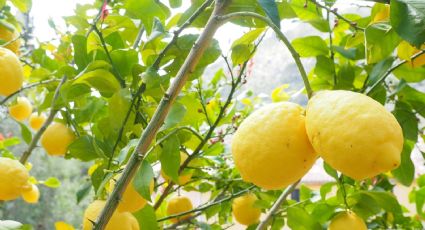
column 131, row 201
column 278, row 144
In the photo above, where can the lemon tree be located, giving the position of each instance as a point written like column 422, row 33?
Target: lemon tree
column 164, row 128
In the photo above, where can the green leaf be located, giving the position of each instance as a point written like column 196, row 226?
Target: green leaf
column 170, row 157
column 420, row 200
column 147, row 10
column 408, row 20
column 26, row 133
column 22, row 5
column 414, row 97
column 175, row 3
column 100, row 79
column 80, row 51
column 146, row 218
column 385, row 200
column 240, row 54
column 52, row 182
column 381, row 40
column 124, row 61
column 83, row 192
column 143, row 179
column 299, row 219
column 325, row 68
column 405, row 173
column 410, row 74
column 379, row 70
column 270, row 7
column 330, row 171
column 175, row 115
column 10, row 225
column 310, row 46
column 407, row 120
column 83, row 148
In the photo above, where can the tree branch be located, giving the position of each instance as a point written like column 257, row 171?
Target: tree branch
column 389, row 71
column 43, row 128
column 189, row 21
column 158, row 118
column 334, row 12
column 281, row 36
column 282, row 198
column 27, row 87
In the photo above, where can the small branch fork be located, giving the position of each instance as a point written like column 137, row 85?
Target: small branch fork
column 2, row 102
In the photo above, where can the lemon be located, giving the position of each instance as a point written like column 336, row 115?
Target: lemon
column 56, row 139
column 354, row 133
column 37, row 120
column 178, row 205
column 60, row 225
column 118, row 221
column 347, row 220
column 244, row 211
column 8, row 35
column 21, row 110
column 184, row 176
column 31, row 196
column 131, row 200
column 11, row 72
column 271, row 149
column 14, row 179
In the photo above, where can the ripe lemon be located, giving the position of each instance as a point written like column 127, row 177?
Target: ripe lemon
column 37, row 120
column 32, row 195
column 60, row 225
column 14, row 179
column 354, row 133
column 131, row 200
column 184, row 176
column 347, row 220
column 271, row 149
column 119, row 220
column 244, row 211
column 11, row 72
column 21, row 110
column 56, row 139
column 178, row 205
column 8, row 35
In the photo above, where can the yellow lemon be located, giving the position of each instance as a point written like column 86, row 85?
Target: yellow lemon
column 347, row 220
column 31, row 196
column 354, row 133
column 184, row 176
column 244, row 211
column 14, row 179
column 119, row 220
column 21, row 110
column 56, row 139
column 60, row 225
column 37, row 120
column 131, row 200
column 271, row 149
column 11, row 72
column 9, row 35
column 178, row 205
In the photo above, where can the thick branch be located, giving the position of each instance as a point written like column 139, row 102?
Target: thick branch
column 43, row 128
column 276, row 206
column 158, row 118
column 281, row 36
column 389, row 71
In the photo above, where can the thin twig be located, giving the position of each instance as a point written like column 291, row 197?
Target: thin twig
column 282, row 198
column 334, row 12
column 331, row 49
column 139, row 37
column 97, row 17
column 390, row 70
column 160, row 114
column 281, row 36
column 187, row 23
column 103, row 43
column 27, row 87
column 202, row 208
column 43, row 128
